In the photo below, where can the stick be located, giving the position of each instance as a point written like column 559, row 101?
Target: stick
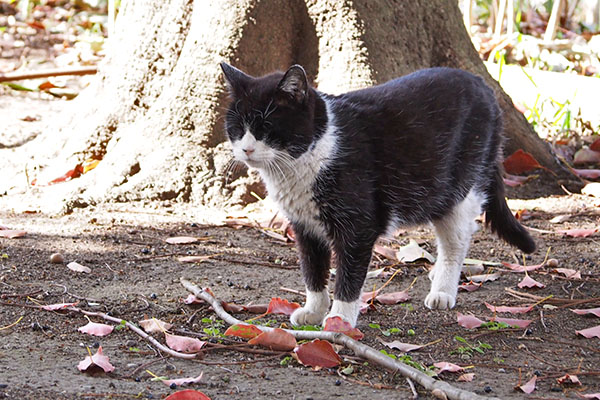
column 359, row 349
column 553, row 21
column 18, row 76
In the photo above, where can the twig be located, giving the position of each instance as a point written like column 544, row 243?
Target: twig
column 359, row 349
column 137, row 330
column 18, row 76
column 412, row 388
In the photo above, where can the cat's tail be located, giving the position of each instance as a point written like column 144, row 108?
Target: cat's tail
column 502, row 221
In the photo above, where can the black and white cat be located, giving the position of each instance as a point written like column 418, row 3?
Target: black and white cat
column 346, row 169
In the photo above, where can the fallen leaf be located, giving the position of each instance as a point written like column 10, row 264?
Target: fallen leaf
column 590, row 396
column 188, row 394
column 74, row 266
column 446, row 366
column 569, row 273
column 59, row 306
column 529, row 387
column 519, row 162
column 515, row 180
column 472, row 269
column 70, row 174
column 485, row 277
column 256, row 308
column 243, row 331
column 154, row 325
column 367, row 297
column 89, row 165
column 12, row 233
column 193, row 259
column 393, row 298
column 595, row 145
column 403, row 347
column 587, row 173
column 413, row 252
column 592, row 189
column 590, row 332
column 184, row 344
column 559, row 219
column 586, row 156
column 470, row 286
column 514, row 310
column 468, row 321
column 182, row 381
column 375, row 273
column 93, row 328
column 182, row 240
column 530, row 283
column 386, row 252
column 593, row 311
column 98, row 359
column 337, row 324
column 579, row 232
column 522, row 268
column 474, row 261
column 318, row 353
column 466, row 377
column 191, row 299
column 277, row 305
column 521, row 323
column 567, row 378
column 277, row 339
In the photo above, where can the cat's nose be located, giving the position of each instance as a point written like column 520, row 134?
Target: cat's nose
column 248, row 151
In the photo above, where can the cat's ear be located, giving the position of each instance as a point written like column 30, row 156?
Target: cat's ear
column 294, row 83
column 236, row 79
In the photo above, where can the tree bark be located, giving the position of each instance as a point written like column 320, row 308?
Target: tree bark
column 154, row 116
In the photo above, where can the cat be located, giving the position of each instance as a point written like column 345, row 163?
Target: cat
column 346, row 169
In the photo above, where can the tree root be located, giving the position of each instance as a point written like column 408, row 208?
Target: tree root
column 359, row 349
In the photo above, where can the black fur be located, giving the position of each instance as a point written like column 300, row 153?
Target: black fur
column 408, row 151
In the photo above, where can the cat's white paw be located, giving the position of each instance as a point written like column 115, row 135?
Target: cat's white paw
column 304, row 316
column 317, row 305
column 346, row 310
column 440, row 301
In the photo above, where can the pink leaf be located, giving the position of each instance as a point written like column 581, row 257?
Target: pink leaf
column 568, row 379
column 337, row 324
column 277, row 339
column 514, row 310
column 521, row 323
column 73, row 266
column 191, row 299
column 11, row 233
column 594, row 311
column 446, row 366
column 188, row 394
column 485, row 277
column 521, row 268
column 587, row 173
column 93, row 328
column 590, row 396
column 386, row 252
column 59, row 306
column 466, row 377
column 183, row 343
column 98, row 359
column 515, row 180
column 182, row 381
column 154, row 325
column 468, row 321
column 530, row 282
column 529, row 387
column 578, row 232
column 393, row 298
column 366, row 297
column 318, row 353
column 590, row 332
column 586, row 156
column 278, row 305
column 182, row 240
column 403, row 347
column 569, row 273
column 470, row 286
column 364, row 307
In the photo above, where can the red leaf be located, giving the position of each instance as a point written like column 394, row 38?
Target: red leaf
column 188, row 394
column 446, row 366
column 277, row 339
column 514, row 310
column 530, row 282
column 594, row 311
column 337, row 324
column 59, row 306
column 256, row 308
column 11, row 233
column 93, row 328
column 587, row 173
column 278, row 305
column 183, row 343
column 70, row 174
column 243, row 331
column 468, row 321
column 596, row 145
column 568, row 379
column 519, row 162
column 318, row 353
column 98, row 359
column 182, row 381
column 578, row 232
column 182, row 240
column 521, row 268
column 403, row 347
column 590, row 332
column 393, row 298
column 521, row 323
column 529, row 386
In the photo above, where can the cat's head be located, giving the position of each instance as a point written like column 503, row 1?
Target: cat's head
column 272, row 117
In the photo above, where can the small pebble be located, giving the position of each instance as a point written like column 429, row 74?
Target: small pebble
column 153, row 296
column 487, row 389
column 338, row 382
column 145, row 250
column 501, row 370
column 173, row 386
column 57, row 258
column 556, row 389
column 537, row 373
column 138, row 379
column 3, row 385
column 96, row 345
column 552, row 263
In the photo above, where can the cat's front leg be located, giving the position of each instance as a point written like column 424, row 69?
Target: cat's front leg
column 315, row 258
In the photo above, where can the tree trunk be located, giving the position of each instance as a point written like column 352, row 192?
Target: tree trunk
column 154, row 115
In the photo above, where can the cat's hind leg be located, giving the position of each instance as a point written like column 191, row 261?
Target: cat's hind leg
column 453, row 233
column 315, row 258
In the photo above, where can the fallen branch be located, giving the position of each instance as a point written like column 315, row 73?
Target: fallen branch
column 359, row 349
column 19, row 76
